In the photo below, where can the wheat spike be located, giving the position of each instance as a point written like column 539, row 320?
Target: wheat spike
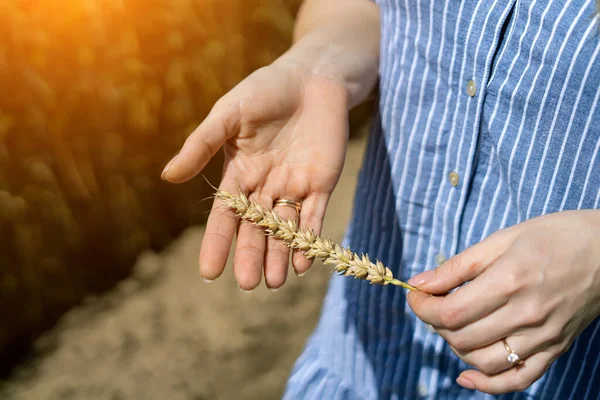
column 314, row 246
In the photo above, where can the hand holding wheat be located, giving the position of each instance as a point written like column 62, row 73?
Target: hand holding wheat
column 312, row 245
column 284, row 133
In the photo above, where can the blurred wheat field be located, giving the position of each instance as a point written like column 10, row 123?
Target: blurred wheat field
column 96, row 96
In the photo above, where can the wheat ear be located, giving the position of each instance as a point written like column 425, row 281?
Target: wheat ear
column 345, row 262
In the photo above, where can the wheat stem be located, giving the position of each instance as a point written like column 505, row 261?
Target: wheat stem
column 313, row 246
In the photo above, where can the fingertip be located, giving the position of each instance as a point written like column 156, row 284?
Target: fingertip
column 433, row 281
column 193, row 157
column 209, row 273
column 471, row 375
column 274, row 283
column 212, row 263
column 275, row 279
column 422, row 279
column 244, row 290
column 247, row 274
column 466, row 383
column 301, row 273
column 300, row 264
column 273, row 288
column 413, row 299
column 166, row 171
column 436, row 288
column 182, row 169
column 247, row 286
column 167, row 175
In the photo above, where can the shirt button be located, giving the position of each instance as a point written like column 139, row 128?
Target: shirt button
column 440, row 258
column 453, row 177
column 423, row 392
column 471, row 88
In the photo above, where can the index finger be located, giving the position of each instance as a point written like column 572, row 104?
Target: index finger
column 478, row 298
column 467, row 304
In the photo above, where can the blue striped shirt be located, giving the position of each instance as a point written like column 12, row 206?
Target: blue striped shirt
column 489, row 115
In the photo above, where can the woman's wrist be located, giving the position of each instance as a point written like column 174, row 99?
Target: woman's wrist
column 350, row 69
column 592, row 219
column 588, row 228
column 343, row 48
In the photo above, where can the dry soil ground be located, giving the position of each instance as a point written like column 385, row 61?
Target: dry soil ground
column 164, row 334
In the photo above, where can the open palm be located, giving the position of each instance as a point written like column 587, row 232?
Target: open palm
column 284, row 133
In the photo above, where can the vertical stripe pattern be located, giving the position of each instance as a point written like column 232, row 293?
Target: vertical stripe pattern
column 525, row 142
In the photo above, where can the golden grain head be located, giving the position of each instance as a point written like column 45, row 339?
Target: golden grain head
column 313, row 246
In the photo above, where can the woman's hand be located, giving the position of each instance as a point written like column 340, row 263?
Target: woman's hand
column 536, row 284
column 284, row 134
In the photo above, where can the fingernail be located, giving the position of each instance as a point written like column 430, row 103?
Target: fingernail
column 272, row 289
column 300, row 274
column 206, row 280
column 421, row 278
column 167, row 168
column 245, row 290
column 467, row 384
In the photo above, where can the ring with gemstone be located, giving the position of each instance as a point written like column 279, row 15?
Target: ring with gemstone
column 513, row 358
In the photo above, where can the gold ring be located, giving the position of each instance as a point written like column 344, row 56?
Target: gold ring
column 297, row 205
column 513, row 358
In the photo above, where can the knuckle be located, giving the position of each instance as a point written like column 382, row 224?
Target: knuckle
column 278, row 252
column 487, row 366
column 555, row 335
column 207, row 149
column 560, row 349
column 459, row 342
column 449, row 317
column 513, row 283
column 533, row 313
column 249, row 250
column 229, row 111
column 454, row 264
column 548, row 336
column 219, row 105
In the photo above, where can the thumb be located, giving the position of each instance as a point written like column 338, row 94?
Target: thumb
column 220, row 124
column 464, row 266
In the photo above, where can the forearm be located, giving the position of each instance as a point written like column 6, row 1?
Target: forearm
column 592, row 218
column 339, row 39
